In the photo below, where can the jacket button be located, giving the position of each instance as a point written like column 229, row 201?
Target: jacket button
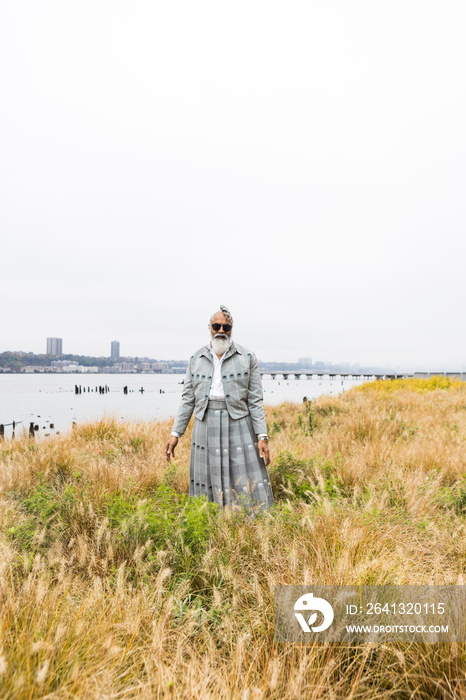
column 227, row 396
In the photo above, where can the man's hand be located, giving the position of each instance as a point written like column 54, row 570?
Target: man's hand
column 170, row 448
column 264, row 451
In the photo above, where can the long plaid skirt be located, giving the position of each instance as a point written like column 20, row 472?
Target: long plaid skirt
column 225, row 465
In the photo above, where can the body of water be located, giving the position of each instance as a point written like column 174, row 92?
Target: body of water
column 46, row 399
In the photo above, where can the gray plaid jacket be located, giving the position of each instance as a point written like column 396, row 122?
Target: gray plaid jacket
column 241, row 383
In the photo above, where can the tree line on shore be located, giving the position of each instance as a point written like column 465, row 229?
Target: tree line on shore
column 15, row 361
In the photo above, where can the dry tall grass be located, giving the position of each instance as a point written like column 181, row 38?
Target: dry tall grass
column 114, row 584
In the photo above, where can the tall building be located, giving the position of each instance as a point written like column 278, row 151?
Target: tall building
column 54, row 347
column 115, row 353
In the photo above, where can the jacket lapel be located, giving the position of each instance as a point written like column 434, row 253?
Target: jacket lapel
column 205, row 352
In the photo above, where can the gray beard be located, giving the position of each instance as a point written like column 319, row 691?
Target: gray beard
column 220, row 344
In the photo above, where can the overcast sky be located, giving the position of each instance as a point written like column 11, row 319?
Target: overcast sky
column 302, row 163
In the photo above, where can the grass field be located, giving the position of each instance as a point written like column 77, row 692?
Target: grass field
column 114, row 584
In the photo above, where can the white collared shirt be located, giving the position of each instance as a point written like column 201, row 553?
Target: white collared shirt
column 216, row 388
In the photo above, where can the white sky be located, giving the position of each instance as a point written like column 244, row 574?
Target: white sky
column 301, row 162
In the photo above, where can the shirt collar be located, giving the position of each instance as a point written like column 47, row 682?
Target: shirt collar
column 207, row 350
column 212, row 352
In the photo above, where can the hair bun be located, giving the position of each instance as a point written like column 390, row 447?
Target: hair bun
column 226, row 313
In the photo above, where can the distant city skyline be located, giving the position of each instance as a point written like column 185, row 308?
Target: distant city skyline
column 304, row 362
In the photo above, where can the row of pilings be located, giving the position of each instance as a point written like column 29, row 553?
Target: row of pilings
column 78, row 389
column 33, row 428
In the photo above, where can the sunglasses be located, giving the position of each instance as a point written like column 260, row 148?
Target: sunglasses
column 226, row 327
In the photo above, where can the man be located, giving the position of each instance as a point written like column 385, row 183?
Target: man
column 229, row 450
